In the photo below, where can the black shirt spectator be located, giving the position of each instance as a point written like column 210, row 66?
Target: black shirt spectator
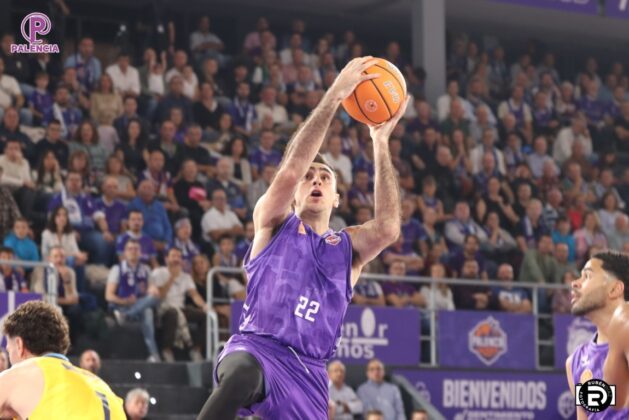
column 10, row 129
column 15, row 65
column 207, row 111
column 192, row 149
column 175, row 99
column 53, row 142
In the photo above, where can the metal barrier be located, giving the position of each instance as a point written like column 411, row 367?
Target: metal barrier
column 50, row 277
column 213, row 331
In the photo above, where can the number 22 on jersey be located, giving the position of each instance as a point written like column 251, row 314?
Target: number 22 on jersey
column 312, row 305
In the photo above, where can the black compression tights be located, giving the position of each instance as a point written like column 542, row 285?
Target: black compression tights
column 241, row 383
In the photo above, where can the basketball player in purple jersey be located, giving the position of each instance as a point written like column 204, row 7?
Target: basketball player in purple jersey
column 597, row 294
column 301, row 273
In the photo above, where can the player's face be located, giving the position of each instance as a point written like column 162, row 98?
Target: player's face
column 316, row 191
column 590, row 291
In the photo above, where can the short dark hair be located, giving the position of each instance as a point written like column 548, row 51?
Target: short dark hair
column 6, row 250
column 616, row 264
column 42, row 328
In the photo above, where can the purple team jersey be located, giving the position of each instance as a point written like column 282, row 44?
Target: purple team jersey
column 587, row 363
column 299, row 288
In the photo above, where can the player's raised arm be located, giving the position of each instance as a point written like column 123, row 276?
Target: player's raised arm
column 370, row 238
column 273, row 207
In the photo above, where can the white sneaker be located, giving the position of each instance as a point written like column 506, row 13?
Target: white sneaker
column 154, row 358
column 168, row 356
column 196, row 356
column 121, row 319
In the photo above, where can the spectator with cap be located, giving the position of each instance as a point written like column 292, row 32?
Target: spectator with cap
column 88, row 67
column 130, row 296
column 90, row 361
column 156, row 223
column 347, row 404
column 376, row 394
column 136, row 404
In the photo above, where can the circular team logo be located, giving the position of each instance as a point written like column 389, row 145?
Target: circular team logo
column 565, row 405
column 371, row 105
column 34, row 25
column 595, row 395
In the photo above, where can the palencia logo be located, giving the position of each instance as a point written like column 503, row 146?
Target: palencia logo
column 595, row 395
column 487, row 340
column 358, row 341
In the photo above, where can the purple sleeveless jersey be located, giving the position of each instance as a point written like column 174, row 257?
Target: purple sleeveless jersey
column 587, row 363
column 299, row 288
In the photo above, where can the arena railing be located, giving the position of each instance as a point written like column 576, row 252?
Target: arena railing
column 214, row 332
column 50, row 277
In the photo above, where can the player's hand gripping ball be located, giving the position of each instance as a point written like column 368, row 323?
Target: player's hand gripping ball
column 377, row 100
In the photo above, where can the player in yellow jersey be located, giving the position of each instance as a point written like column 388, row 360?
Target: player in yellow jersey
column 43, row 384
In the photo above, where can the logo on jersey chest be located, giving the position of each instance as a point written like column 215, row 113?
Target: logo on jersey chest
column 333, row 239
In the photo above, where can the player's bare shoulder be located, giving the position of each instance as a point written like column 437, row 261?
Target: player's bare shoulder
column 23, row 386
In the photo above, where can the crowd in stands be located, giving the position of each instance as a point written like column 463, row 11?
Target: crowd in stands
column 152, row 167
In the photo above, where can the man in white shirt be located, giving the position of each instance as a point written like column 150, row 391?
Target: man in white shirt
column 204, row 43
column 444, row 101
column 487, row 145
column 174, row 285
column 338, row 160
column 577, row 132
column 220, row 220
column 346, row 402
column 125, row 77
column 10, row 91
column 268, row 106
column 15, row 169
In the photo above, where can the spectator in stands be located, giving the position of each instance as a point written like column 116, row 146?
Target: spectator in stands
column 562, row 298
column 444, row 103
column 52, row 142
column 242, row 111
column 470, row 251
column 589, row 235
column 621, row 127
column 620, row 235
column 487, row 145
column 10, row 130
column 174, row 99
column 347, row 404
column 11, row 279
column 398, row 293
column 156, row 223
column 192, row 149
column 205, row 44
column 136, row 404
column 339, row 162
column 419, row 414
column 10, row 94
column 608, row 213
column 240, row 169
column 462, row 225
column 268, row 105
column 88, row 67
column 226, row 258
column 65, row 112
column 439, row 297
column 40, row 100
column 539, row 157
column 411, row 229
column 517, row 106
column 117, row 171
column 264, row 154
column 243, row 245
column 90, row 361
column 368, row 292
column 112, row 209
column 606, row 184
column 207, row 112
column 509, row 298
column 594, row 111
column 130, row 296
column 376, row 394
column 183, row 241
column 219, row 219
column 531, row 227
column 456, row 120
column 259, row 187
column 106, row 106
column 222, row 180
column 563, row 235
column 130, row 113
column 160, row 178
column 135, row 222
column 174, row 285
column 472, row 296
column 59, row 232
column 15, row 173
column 22, row 245
column 540, row 266
column 561, row 254
column 125, row 77
column 87, row 140
column 576, row 132
column 48, row 181
column 67, row 294
column 413, row 262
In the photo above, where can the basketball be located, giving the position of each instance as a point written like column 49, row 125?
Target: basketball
column 376, row 101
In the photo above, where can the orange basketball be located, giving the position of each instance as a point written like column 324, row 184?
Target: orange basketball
column 377, row 100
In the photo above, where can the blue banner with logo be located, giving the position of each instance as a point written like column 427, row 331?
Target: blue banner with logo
column 570, row 332
column 390, row 334
column 494, row 395
column 589, row 7
column 486, row 339
column 9, row 302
